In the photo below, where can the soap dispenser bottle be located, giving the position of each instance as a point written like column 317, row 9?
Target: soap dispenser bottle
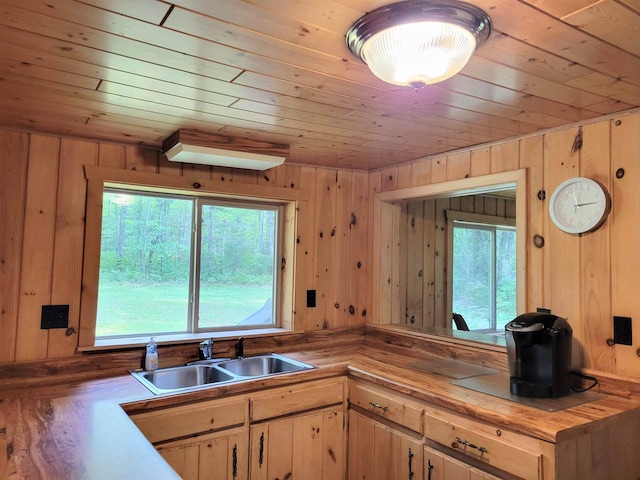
column 151, row 358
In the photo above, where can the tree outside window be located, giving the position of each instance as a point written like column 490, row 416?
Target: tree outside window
column 484, row 274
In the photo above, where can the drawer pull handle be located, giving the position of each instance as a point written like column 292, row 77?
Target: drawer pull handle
column 471, row 445
column 381, row 407
column 411, row 473
column 261, row 454
column 235, row 461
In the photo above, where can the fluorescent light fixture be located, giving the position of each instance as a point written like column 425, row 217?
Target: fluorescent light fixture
column 221, row 158
column 201, row 148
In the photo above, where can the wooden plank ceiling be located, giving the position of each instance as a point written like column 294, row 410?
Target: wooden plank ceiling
column 279, row 71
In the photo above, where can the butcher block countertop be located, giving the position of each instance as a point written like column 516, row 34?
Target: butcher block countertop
column 81, row 430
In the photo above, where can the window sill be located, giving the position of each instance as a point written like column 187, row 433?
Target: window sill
column 184, row 338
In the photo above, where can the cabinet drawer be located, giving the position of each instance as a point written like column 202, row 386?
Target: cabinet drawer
column 194, row 419
column 386, row 404
column 509, row 451
column 297, row 398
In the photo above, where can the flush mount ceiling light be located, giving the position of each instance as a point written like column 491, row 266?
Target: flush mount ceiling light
column 191, row 146
column 419, row 42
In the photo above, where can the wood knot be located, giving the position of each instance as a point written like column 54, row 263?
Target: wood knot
column 538, row 241
column 332, row 455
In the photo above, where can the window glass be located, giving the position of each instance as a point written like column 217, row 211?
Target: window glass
column 159, row 274
column 472, row 276
column 484, row 274
column 506, row 308
column 237, row 252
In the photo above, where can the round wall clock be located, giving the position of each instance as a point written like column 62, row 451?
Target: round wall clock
column 579, row 205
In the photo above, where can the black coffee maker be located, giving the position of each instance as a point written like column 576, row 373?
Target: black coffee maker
column 539, row 353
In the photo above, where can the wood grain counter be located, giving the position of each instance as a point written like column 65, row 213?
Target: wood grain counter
column 81, row 429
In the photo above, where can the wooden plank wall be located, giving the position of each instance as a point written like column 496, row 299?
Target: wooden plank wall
column 587, row 278
column 42, row 209
column 423, row 254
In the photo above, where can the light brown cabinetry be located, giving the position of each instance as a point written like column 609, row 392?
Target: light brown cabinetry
column 385, row 438
column 484, row 444
column 204, row 440
column 221, row 455
column 307, row 446
column 391, row 435
column 299, row 432
column 288, row 432
column 440, row 466
column 382, row 452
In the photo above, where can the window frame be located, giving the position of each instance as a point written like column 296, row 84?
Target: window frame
column 481, row 222
column 99, row 178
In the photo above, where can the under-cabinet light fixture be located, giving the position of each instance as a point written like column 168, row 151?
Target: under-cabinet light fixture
column 190, row 146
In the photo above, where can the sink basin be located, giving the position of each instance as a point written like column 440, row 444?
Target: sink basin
column 200, row 375
column 263, row 365
column 181, row 378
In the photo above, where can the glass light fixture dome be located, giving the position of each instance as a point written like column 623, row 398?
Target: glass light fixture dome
column 419, row 42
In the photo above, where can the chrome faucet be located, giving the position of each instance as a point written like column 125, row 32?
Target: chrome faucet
column 206, row 349
column 240, row 348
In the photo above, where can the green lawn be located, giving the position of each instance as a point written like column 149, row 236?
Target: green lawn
column 139, row 309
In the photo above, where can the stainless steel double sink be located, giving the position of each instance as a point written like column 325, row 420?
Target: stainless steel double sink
column 215, row 372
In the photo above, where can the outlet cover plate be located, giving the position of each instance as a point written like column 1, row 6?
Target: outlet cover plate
column 54, row 316
column 622, row 332
column 311, row 298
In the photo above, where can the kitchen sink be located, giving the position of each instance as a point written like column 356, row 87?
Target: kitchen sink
column 182, row 378
column 263, row 365
column 201, row 375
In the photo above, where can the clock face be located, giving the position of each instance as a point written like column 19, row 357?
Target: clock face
column 579, row 205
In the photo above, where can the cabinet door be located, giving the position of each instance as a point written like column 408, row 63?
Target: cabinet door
column 377, row 452
column 309, row 447
column 480, row 475
column 440, row 466
column 219, row 456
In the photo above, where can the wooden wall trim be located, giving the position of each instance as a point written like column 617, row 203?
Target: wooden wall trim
column 100, row 177
column 459, row 187
column 145, row 181
column 388, row 307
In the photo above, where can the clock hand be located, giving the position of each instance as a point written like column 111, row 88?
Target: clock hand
column 588, row 203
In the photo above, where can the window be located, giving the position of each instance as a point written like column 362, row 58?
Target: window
column 484, row 274
column 177, row 264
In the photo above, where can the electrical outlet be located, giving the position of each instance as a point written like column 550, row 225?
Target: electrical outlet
column 622, row 333
column 54, row 316
column 311, row 298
